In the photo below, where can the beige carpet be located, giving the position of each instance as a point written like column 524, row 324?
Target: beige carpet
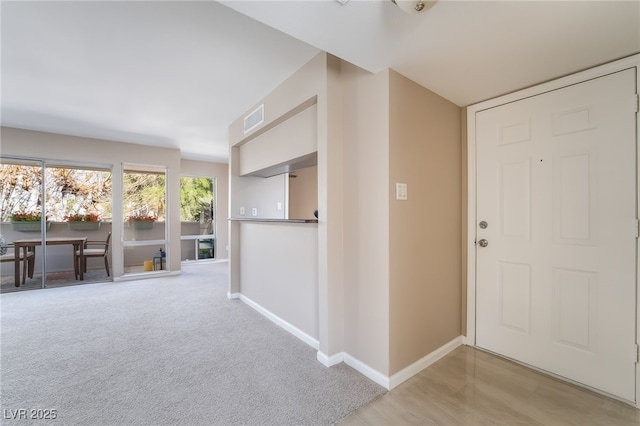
column 164, row 351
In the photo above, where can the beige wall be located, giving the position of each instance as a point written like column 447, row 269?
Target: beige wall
column 219, row 172
column 260, row 193
column 318, row 82
column 303, row 193
column 304, row 88
column 366, row 215
column 292, row 138
column 289, row 290
column 424, row 242
column 331, row 258
column 389, row 272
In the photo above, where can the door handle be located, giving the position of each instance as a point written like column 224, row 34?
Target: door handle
column 483, row 243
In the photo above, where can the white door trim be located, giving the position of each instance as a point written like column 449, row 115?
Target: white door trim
column 619, row 65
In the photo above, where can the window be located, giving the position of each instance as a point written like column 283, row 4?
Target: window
column 197, row 218
column 68, row 191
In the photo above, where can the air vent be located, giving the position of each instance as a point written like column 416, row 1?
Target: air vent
column 254, row 119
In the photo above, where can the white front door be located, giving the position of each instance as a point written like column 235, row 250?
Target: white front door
column 556, row 186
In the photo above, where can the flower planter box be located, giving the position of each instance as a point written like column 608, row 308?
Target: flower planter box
column 142, row 224
column 24, row 226
column 84, row 226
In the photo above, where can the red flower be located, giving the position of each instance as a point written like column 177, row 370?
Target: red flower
column 142, row 218
column 89, row 217
column 26, row 217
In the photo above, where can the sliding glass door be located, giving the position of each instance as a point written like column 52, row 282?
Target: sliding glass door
column 48, row 213
column 79, row 208
column 21, row 214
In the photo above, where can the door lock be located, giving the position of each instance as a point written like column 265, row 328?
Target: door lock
column 483, row 225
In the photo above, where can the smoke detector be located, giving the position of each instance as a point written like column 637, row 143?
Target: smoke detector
column 414, row 6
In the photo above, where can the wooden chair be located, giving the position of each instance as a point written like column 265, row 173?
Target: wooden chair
column 103, row 252
column 27, row 265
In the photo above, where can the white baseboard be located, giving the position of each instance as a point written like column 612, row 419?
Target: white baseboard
column 401, row 376
column 424, row 362
column 146, row 275
column 309, row 340
column 356, row 364
column 328, row 361
column 369, row 372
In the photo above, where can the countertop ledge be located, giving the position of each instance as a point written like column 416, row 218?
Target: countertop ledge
column 257, row 219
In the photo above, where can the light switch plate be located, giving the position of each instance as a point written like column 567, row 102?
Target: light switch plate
column 401, row 191
column 241, row 211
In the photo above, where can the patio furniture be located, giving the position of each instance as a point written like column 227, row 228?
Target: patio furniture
column 80, row 256
column 30, row 245
column 26, row 256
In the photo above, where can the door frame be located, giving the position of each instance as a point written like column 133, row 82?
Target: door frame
column 599, row 71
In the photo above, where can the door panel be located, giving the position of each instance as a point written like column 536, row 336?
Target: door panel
column 556, row 183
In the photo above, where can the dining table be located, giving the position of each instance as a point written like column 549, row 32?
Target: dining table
column 30, row 244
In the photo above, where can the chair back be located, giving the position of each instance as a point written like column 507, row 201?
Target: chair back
column 9, row 255
column 106, row 243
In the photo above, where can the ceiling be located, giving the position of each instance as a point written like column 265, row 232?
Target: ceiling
column 177, row 73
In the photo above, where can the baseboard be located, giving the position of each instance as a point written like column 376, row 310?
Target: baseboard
column 146, row 275
column 280, row 322
column 424, row 362
column 329, row 361
column 367, row 371
column 356, row 364
column 401, row 376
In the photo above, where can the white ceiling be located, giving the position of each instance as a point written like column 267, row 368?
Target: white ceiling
column 177, row 73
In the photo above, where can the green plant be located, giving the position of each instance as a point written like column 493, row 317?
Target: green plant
column 89, row 217
column 26, row 217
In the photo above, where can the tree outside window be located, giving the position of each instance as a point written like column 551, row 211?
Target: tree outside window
column 144, row 195
column 68, row 192
column 197, row 202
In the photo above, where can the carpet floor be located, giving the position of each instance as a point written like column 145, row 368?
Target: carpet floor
column 162, row 351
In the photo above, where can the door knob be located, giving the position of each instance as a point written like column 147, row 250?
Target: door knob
column 483, row 243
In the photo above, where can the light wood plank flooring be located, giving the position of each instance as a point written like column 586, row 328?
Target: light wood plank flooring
column 472, row 387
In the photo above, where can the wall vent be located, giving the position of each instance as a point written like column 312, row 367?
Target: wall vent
column 254, row 119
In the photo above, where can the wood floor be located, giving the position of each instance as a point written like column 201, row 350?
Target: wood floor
column 471, row 387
